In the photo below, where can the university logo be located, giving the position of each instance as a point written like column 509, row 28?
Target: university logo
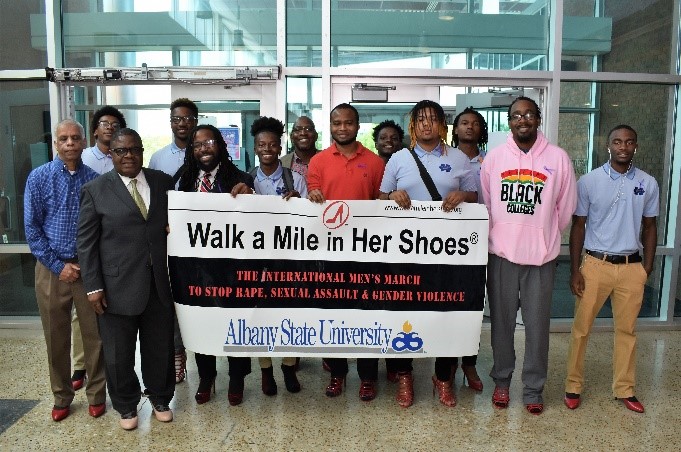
column 521, row 190
column 406, row 340
column 336, row 215
column 639, row 190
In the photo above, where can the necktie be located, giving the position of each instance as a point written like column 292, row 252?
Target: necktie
column 138, row 198
column 205, row 183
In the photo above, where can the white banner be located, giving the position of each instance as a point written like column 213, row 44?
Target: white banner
column 256, row 275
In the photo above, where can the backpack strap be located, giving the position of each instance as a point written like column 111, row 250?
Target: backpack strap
column 288, row 179
column 430, row 185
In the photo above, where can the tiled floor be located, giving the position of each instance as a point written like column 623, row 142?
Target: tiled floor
column 310, row 421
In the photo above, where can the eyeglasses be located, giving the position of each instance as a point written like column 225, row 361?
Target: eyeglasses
column 299, row 129
column 199, row 144
column 122, row 152
column 529, row 116
column 179, row 119
column 113, row 125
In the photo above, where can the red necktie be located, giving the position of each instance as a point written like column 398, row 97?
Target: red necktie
column 205, row 183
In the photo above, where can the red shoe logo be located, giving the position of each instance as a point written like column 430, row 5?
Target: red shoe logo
column 336, row 215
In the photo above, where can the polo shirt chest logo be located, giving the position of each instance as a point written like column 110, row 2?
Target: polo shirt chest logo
column 445, row 167
column 639, row 190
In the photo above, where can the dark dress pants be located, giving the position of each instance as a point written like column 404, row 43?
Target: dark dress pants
column 119, row 339
column 207, row 366
column 367, row 368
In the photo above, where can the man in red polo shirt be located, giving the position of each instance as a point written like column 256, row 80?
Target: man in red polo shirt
column 346, row 170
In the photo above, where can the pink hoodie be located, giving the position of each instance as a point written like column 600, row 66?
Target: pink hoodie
column 530, row 197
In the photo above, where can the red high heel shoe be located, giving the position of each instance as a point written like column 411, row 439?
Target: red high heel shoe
column 367, row 390
column 445, row 392
column 206, row 386
column 471, row 374
column 335, row 387
column 405, row 392
column 500, row 398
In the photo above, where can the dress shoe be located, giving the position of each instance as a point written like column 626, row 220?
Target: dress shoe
column 500, row 397
column 405, row 391
column 162, row 412
column 269, row 385
column 572, row 400
column 633, row 404
column 367, row 390
column 444, row 391
column 471, row 374
column 60, row 413
column 535, row 408
column 235, row 391
column 290, row 378
column 129, row 420
column 206, row 386
column 96, row 410
column 78, row 379
column 335, row 387
column 180, row 366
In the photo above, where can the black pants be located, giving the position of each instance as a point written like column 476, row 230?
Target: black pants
column 443, row 365
column 157, row 351
column 398, row 364
column 367, row 368
column 207, row 366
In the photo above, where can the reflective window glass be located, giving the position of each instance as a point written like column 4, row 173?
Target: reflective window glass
column 21, row 22
column 616, row 36
column 178, row 33
column 304, row 33
column 458, row 34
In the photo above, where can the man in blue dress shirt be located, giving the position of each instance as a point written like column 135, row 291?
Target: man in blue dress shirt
column 51, row 208
column 617, row 207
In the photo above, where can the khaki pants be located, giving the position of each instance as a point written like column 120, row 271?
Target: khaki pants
column 56, row 299
column 624, row 284
column 77, row 343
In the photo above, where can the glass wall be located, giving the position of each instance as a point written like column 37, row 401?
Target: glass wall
column 18, row 22
column 127, row 33
column 459, row 34
column 616, row 36
column 617, row 62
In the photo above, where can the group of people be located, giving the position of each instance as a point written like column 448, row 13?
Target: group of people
column 96, row 221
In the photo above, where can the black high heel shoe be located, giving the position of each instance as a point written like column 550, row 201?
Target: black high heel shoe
column 269, row 385
column 290, row 378
column 206, row 385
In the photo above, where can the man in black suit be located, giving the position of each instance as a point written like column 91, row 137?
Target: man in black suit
column 122, row 252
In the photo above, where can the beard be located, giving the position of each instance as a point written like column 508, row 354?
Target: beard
column 347, row 141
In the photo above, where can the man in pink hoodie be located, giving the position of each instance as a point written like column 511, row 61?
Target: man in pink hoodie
column 529, row 188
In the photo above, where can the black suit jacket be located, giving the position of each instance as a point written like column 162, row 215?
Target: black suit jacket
column 117, row 246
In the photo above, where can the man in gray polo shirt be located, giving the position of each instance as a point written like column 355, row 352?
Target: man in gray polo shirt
column 614, row 201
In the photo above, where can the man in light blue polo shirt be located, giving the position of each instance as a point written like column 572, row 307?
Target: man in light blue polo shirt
column 105, row 122
column 470, row 135
column 183, row 118
column 453, row 182
column 184, row 115
column 616, row 216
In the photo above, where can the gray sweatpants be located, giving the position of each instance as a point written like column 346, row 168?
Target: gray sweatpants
column 510, row 286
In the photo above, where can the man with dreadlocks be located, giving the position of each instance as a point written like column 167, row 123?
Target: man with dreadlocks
column 209, row 169
column 447, row 176
column 616, row 216
column 346, row 170
column 529, row 188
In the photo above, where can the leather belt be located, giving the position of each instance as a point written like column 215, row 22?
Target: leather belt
column 615, row 258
